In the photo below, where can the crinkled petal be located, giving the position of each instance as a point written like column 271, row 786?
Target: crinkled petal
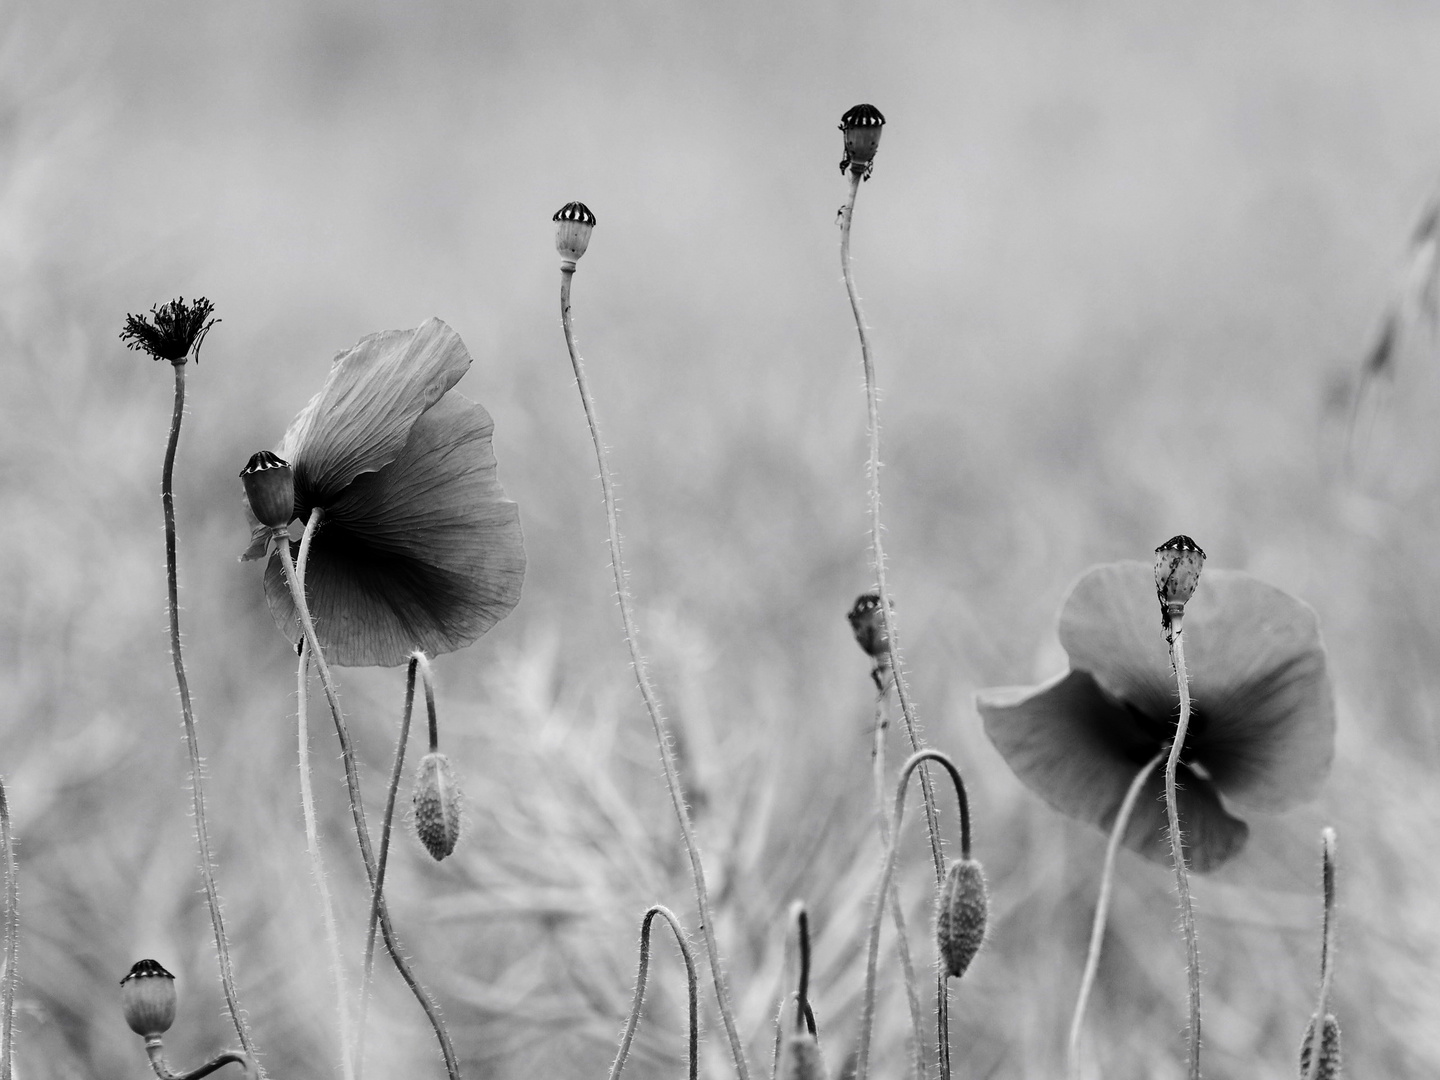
column 1264, row 718
column 1079, row 749
column 424, row 554
column 374, row 394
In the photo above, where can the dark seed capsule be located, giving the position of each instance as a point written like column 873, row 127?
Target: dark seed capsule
column 861, row 126
column 960, row 916
column 869, row 625
column 147, row 996
column 573, row 224
column 270, row 487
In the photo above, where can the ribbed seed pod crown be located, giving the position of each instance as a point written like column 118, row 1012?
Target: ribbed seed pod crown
column 147, row 996
column 960, row 916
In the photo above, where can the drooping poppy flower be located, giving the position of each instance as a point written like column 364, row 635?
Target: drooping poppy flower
column 418, row 546
column 1262, row 726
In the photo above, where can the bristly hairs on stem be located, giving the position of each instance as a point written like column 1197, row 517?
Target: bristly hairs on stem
column 172, row 332
column 12, row 943
column 1102, row 913
column 357, row 805
column 574, row 222
column 155, row 1050
column 1327, row 952
column 867, row 1016
column 386, row 828
column 692, row 984
column 859, row 122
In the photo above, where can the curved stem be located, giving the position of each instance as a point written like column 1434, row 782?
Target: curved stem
column 647, row 693
column 692, row 982
column 1177, row 854
column 357, row 806
column 12, row 943
column 192, row 741
column 877, row 548
column 386, row 825
column 162, row 1068
column 897, row 913
column 867, row 1016
column 317, row 862
column 1327, row 951
column 1102, row 913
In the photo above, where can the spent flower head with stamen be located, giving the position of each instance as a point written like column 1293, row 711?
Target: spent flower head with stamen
column 573, row 225
column 861, row 126
column 147, row 996
column 419, row 547
column 171, row 331
column 1262, row 730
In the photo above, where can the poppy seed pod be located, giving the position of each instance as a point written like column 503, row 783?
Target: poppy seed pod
column 270, row 487
column 1329, row 1067
column 960, row 916
column 861, row 126
column 573, row 224
column 1178, row 563
column 868, row 623
column 800, row 1058
column 437, row 805
column 147, row 994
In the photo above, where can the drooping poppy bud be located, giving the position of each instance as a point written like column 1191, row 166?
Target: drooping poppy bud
column 861, row 126
column 270, row 487
column 437, row 805
column 1329, row 1066
column 573, row 224
column 1178, row 563
column 960, row 916
column 147, row 994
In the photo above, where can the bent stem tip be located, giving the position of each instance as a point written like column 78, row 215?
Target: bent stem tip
column 692, row 987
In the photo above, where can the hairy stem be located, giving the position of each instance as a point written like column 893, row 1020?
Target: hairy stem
column 357, row 806
column 1102, row 913
column 1177, row 853
column 647, row 692
column 162, row 1068
column 692, row 984
column 317, row 862
column 1327, row 951
column 192, row 741
column 867, row 1016
column 877, row 550
column 386, row 826
column 12, row 943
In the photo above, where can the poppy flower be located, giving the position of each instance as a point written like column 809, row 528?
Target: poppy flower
column 1262, row 726
column 418, row 548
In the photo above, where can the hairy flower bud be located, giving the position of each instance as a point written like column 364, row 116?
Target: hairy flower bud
column 1329, row 1067
column 1178, row 563
column 437, row 805
column 270, row 487
column 147, row 995
column 573, row 224
column 800, row 1058
column 861, row 126
column 960, row 916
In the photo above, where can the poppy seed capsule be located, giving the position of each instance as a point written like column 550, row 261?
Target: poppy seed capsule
column 1329, row 1067
column 861, row 126
column 147, row 995
column 1178, row 563
column 800, row 1058
column 868, row 624
column 270, row 487
column 960, row 916
column 573, row 224
column 437, row 805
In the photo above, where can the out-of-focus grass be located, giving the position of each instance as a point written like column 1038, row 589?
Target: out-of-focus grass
column 1120, row 264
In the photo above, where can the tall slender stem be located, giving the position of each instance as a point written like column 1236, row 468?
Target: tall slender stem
column 192, row 742
column 1102, row 913
column 12, row 943
column 357, row 806
column 623, row 1053
column 317, row 862
column 877, row 548
column 386, row 826
column 1177, row 853
column 647, row 693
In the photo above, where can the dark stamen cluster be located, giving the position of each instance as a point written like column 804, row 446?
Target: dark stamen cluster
column 171, row 331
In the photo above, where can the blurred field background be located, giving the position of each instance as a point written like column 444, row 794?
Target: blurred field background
column 1123, row 263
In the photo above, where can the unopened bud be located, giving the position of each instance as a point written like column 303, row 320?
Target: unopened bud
column 1329, row 1066
column 960, row 916
column 1178, row 563
column 437, row 805
column 861, row 126
column 573, row 224
column 270, row 487
column 800, row 1058
column 147, row 995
